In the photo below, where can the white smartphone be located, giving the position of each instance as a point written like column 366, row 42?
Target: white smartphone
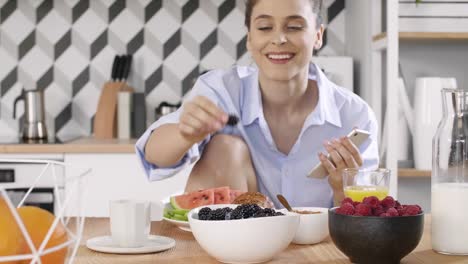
column 357, row 136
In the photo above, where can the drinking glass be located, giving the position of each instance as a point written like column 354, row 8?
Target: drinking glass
column 361, row 183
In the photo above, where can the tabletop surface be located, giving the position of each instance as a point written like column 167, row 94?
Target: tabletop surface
column 187, row 250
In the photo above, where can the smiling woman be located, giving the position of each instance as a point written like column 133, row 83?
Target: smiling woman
column 289, row 113
column 283, row 32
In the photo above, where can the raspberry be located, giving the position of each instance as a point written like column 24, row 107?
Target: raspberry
column 392, row 212
column 401, row 211
column 384, row 215
column 420, row 209
column 363, row 209
column 412, row 210
column 378, row 210
column 371, row 201
column 347, row 200
column 345, row 209
column 388, row 202
column 398, row 205
column 356, row 204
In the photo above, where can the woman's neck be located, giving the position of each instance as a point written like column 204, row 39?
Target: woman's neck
column 283, row 98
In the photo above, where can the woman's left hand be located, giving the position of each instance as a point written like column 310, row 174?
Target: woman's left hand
column 344, row 154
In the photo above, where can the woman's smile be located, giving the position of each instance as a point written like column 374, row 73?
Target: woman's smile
column 280, row 57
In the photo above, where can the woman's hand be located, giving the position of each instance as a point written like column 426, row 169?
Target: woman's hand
column 344, row 154
column 199, row 118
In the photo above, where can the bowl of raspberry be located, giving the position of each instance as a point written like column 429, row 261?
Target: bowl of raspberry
column 375, row 231
column 246, row 233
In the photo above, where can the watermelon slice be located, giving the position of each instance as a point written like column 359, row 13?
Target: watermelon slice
column 192, row 200
column 221, row 195
column 233, row 195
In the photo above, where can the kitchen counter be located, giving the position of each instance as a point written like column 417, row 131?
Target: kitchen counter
column 187, row 250
column 81, row 145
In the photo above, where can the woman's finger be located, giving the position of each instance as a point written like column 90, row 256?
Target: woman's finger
column 204, row 117
column 345, row 154
column 187, row 130
column 195, row 123
column 352, row 149
column 211, row 108
column 335, row 156
column 326, row 163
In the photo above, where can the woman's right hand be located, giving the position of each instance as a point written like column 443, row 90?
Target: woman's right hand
column 199, row 118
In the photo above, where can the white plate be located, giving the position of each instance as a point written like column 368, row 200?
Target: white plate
column 154, row 244
column 184, row 225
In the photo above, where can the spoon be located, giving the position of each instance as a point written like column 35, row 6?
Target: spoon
column 284, row 202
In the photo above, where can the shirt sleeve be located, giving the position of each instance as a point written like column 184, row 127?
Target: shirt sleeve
column 156, row 173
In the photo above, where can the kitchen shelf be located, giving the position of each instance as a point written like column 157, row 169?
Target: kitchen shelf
column 81, row 145
column 414, row 173
column 425, row 36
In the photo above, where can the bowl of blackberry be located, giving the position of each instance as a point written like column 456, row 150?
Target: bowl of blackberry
column 245, row 233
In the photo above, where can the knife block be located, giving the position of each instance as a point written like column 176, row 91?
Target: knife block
column 105, row 120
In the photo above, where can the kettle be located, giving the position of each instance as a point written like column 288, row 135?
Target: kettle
column 34, row 126
column 165, row 108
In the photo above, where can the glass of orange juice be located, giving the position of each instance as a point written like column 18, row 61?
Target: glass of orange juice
column 361, row 183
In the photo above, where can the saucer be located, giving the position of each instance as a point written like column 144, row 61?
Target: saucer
column 154, row 244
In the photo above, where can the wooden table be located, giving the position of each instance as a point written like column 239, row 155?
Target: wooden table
column 187, row 249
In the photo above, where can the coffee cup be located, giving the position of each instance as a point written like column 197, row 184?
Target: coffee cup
column 130, row 222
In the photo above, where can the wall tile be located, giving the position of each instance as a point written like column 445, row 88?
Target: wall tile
column 66, row 47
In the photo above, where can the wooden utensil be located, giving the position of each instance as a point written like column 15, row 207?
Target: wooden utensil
column 284, row 202
column 105, row 124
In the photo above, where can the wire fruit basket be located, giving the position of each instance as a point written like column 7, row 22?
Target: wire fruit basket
column 68, row 193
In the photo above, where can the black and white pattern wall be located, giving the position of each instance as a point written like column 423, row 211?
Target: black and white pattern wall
column 66, row 49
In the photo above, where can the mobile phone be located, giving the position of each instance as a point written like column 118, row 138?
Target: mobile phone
column 357, row 136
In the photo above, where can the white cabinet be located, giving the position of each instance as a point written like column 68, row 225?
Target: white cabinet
column 118, row 176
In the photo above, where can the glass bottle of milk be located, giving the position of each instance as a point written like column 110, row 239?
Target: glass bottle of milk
column 450, row 176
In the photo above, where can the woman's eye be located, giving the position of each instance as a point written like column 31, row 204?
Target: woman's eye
column 295, row 27
column 264, row 28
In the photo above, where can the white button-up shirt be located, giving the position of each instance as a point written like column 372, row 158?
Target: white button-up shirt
column 237, row 91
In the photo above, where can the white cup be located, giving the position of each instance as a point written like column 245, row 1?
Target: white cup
column 130, row 222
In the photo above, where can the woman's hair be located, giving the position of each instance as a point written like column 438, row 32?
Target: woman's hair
column 316, row 8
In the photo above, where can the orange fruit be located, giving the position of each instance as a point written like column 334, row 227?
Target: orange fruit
column 11, row 239
column 38, row 222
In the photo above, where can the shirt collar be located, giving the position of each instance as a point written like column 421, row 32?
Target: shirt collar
column 326, row 105
column 326, row 109
column 252, row 104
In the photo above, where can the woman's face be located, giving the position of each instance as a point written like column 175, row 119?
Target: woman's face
column 282, row 37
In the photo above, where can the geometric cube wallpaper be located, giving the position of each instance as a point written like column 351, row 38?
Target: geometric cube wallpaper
column 66, row 48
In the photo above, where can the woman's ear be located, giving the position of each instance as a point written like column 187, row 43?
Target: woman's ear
column 319, row 37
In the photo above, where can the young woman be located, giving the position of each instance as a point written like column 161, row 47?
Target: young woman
column 290, row 117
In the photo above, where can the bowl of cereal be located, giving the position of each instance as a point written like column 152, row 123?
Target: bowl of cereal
column 313, row 225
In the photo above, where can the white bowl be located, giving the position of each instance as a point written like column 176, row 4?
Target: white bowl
column 313, row 228
column 252, row 240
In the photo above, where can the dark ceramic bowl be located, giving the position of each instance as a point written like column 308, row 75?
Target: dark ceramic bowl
column 369, row 239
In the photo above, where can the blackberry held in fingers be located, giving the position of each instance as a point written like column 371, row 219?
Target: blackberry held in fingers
column 232, row 120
